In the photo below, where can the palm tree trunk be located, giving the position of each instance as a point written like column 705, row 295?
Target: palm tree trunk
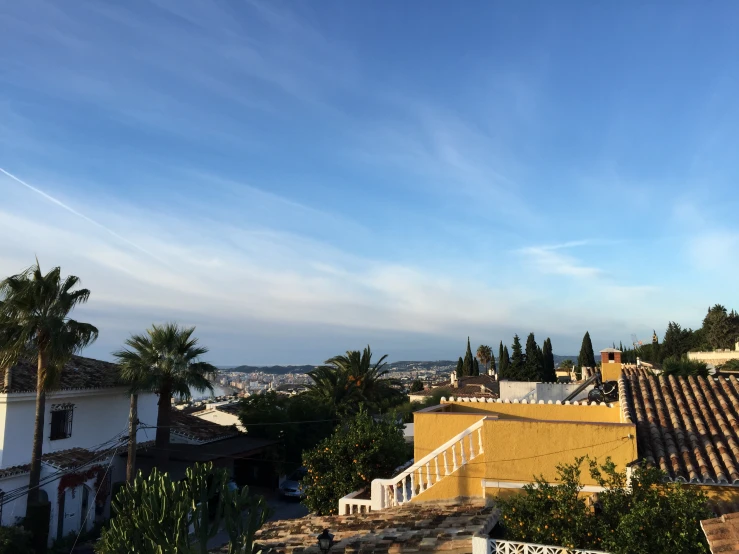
column 133, row 421
column 164, row 423
column 38, row 431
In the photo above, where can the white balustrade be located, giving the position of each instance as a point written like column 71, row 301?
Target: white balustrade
column 412, row 481
column 350, row 504
column 499, row 546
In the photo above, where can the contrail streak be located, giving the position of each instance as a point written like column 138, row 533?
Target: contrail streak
column 78, row 214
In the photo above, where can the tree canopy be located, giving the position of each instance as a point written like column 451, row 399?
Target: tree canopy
column 348, row 460
column 644, row 516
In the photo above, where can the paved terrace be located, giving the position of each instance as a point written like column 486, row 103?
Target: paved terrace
column 447, row 528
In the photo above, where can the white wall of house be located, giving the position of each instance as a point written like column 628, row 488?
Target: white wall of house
column 214, row 415
column 17, row 508
column 534, row 392
column 99, row 414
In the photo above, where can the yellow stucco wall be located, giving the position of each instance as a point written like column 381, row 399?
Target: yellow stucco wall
column 518, row 447
column 518, row 450
column 721, row 497
column 466, row 482
column 431, row 430
column 610, row 372
column 548, row 412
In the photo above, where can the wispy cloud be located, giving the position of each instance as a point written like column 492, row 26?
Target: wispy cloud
column 548, row 259
column 75, row 212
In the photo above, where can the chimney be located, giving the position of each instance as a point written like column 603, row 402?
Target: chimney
column 454, row 379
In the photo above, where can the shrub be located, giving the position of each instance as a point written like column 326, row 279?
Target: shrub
column 646, row 517
column 731, row 365
column 15, row 540
column 684, row 367
column 349, row 459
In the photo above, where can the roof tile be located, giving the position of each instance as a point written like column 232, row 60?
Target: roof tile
column 78, row 373
column 687, row 426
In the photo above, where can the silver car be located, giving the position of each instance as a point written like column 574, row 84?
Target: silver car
column 292, row 487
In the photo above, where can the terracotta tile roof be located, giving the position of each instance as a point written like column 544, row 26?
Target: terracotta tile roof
column 74, row 457
column 14, row 470
column 195, row 428
column 62, row 459
column 722, row 533
column 687, row 426
column 483, row 386
column 78, row 373
column 415, row 527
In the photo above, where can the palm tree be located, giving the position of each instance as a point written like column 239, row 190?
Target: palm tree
column 35, row 323
column 138, row 376
column 166, row 360
column 484, row 354
column 346, row 381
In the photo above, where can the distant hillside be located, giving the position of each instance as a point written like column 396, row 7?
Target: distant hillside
column 274, row 369
column 397, row 366
column 406, row 366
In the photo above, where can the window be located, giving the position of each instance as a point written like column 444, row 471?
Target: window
column 611, row 356
column 61, row 421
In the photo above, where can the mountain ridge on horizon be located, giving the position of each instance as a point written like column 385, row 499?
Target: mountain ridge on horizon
column 401, row 365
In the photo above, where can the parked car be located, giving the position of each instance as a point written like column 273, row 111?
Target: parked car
column 292, row 487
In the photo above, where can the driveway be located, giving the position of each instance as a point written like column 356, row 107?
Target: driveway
column 281, row 509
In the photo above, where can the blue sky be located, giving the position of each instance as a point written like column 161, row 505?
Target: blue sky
column 299, row 179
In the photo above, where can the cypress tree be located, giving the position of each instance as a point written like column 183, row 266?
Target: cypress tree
column 504, row 362
column 492, row 369
column 518, row 362
column 533, row 364
column 586, row 357
column 468, row 366
column 475, row 367
column 550, row 376
column 460, row 368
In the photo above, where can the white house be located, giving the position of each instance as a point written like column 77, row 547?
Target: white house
column 222, row 413
column 85, row 425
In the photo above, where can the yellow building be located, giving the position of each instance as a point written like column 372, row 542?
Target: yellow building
column 482, row 448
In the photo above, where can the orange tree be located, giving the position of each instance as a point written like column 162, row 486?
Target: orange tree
column 360, row 450
column 645, row 515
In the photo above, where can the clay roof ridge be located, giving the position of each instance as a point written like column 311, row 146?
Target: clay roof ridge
column 709, row 431
column 700, row 451
column 659, row 415
column 671, row 393
column 724, row 439
column 641, row 430
column 624, row 389
column 698, row 470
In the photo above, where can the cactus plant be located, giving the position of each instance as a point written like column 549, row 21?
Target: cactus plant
column 155, row 515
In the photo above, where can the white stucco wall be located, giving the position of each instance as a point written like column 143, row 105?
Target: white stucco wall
column 714, row 358
column 534, row 392
column 17, row 508
column 99, row 415
column 222, row 418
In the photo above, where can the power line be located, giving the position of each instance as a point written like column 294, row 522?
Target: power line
column 19, row 492
column 210, row 426
column 100, row 486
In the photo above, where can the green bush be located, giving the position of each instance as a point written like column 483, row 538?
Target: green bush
column 15, row 540
column 684, row 367
column 349, row 459
column 731, row 365
column 649, row 516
